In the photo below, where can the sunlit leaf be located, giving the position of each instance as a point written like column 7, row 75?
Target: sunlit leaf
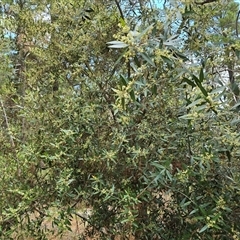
column 187, row 117
column 193, row 211
column 147, row 59
column 203, row 229
column 194, row 103
column 117, row 44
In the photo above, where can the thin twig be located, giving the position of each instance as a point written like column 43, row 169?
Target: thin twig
column 119, row 9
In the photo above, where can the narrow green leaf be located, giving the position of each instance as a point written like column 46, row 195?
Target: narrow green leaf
column 122, row 22
column 187, row 117
column 194, row 103
column 235, row 121
column 201, row 75
column 118, row 60
column 235, row 89
column 236, row 106
column 203, row 62
column 216, row 217
column 198, row 83
column 123, row 80
column 145, row 92
column 134, row 67
column 147, row 59
column 217, row 227
column 203, row 229
column 172, row 41
column 123, row 103
column 137, row 61
column 167, row 60
column 218, row 90
column 195, row 78
column 227, row 209
column 154, row 89
column 156, row 73
column 200, row 218
column 132, row 95
column 201, row 207
column 157, row 165
column 193, row 211
column 186, row 204
column 181, row 55
column 169, row 175
column 144, row 31
column 189, row 82
column 183, row 201
column 138, row 83
column 203, row 90
column 237, row 52
column 200, row 108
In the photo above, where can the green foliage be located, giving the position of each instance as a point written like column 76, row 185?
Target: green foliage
column 133, row 113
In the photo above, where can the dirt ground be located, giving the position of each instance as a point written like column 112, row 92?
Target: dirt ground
column 77, row 229
column 77, row 226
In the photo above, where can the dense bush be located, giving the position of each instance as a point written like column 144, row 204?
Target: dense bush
column 128, row 108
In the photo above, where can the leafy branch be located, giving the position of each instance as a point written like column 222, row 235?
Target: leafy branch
column 10, row 135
